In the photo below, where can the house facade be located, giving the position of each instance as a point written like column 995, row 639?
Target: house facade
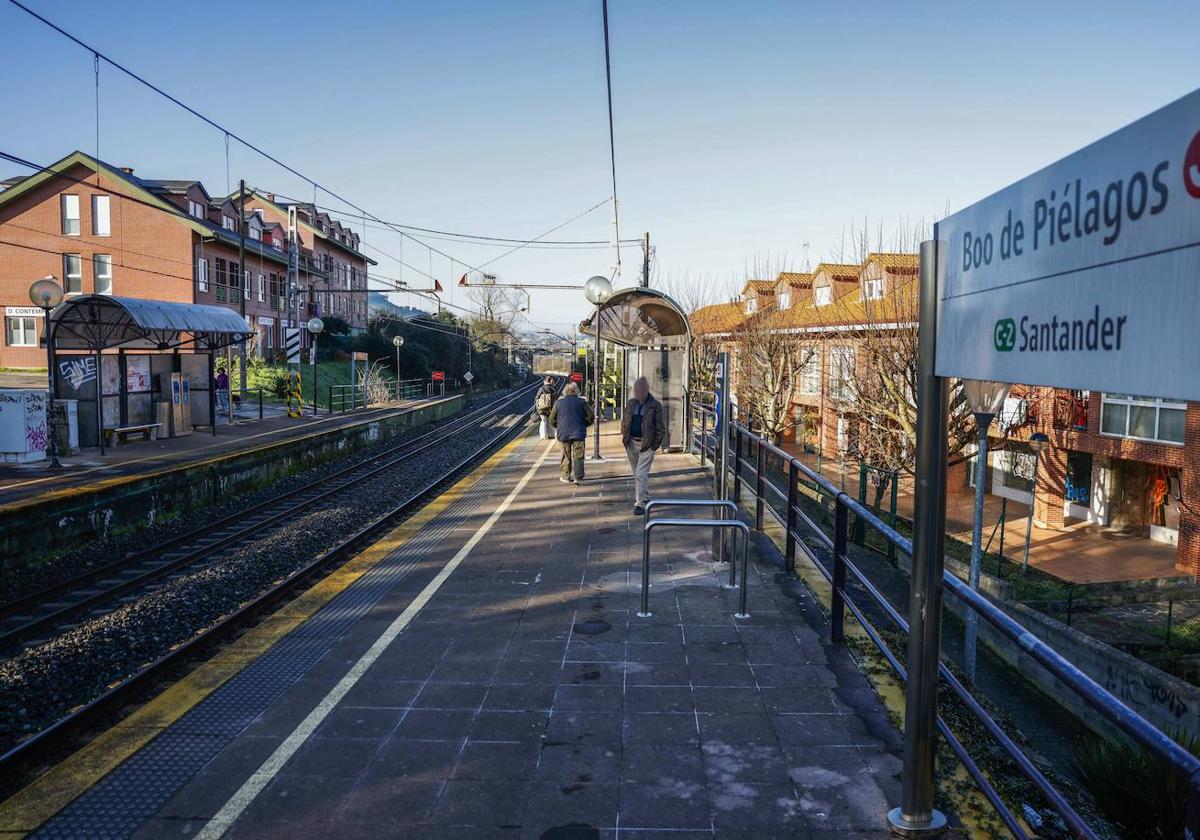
column 1118, row 461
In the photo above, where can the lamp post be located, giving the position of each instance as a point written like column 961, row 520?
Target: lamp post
column 398, row 342
column 314, row 326
column 597, row 290
column 47, row 294
column 985, row 399
column 1038, row 442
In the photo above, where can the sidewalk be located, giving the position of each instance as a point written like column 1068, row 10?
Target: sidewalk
column 521, row 696
column 1079, row 553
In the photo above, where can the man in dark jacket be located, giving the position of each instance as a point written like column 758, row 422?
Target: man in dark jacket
column 642, row 432
column 571, row 417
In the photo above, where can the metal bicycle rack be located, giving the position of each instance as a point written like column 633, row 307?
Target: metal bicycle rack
column 722, row 505
column 735, row 524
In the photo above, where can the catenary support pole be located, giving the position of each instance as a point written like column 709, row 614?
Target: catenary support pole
column 916, row 816
column 244, row 280
column 721, row 437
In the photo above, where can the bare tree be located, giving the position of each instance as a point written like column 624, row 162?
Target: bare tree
column 496, row 309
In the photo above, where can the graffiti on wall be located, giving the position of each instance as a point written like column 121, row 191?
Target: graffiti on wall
column 77, row 372
column 1142, row 690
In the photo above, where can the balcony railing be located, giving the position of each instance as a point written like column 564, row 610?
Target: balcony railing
column 1071, row 411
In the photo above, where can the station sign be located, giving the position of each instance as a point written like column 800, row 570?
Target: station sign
column 438, row 376
column 1085, row 274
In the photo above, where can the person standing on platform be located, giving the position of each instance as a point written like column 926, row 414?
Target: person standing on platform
column 571, row 417
column 222, row 390
column 642, row 432
column 545, row 402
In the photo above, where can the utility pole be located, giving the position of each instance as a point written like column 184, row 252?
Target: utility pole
column 646, row 260
column 243, row 282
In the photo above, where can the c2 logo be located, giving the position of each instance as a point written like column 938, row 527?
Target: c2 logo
column 1191, row 167
column 1005, row 334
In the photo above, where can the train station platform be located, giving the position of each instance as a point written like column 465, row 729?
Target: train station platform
column 482, row 673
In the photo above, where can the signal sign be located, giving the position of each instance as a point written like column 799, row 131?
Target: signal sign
column 439, row 376
column 577, row 377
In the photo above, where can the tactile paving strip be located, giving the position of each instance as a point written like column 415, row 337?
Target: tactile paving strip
column 140, row 787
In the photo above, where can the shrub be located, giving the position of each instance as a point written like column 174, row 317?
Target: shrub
column 1139, row 793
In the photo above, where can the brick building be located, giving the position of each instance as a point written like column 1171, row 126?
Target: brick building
column 1114, row 460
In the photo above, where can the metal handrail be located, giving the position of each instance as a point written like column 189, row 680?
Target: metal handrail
column 735, row 524
column 1124, row 719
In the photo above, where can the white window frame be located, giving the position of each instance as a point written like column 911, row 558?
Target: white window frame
column 1130, row 402
column 228, row 223
column 785, row 300
column 873, row 289
column 246, row 277
column 255, row 233
column 262, row 287
column 97, row 276
column 202, row 274
column 822, row 295
column 810, row 370
column 26, row 327
column 67, row 274
column 101, row 215
column 841, row 373
column 69, row 203
column 196, row 209
column 751, row 305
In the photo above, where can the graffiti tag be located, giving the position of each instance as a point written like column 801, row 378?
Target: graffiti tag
column 78, row 372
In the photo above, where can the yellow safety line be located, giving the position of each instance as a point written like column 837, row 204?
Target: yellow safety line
column 48, row 794
column 68, row 492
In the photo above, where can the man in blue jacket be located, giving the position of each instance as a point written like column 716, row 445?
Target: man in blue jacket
column 571, row 417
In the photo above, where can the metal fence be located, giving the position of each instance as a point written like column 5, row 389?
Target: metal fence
column 343, row 398
column 748, row 469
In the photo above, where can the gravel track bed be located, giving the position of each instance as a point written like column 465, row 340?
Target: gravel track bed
column 17, row 582
column 42, row 684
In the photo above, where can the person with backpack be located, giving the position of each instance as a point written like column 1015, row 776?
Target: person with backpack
column 571, row 417
column 545, row 403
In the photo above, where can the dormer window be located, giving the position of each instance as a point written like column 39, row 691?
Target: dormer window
column 228, row 223
column 751, row 305
column 873, row 289
column 822, row 295
column 195, row 209
column 785, row 300
column 255, row 233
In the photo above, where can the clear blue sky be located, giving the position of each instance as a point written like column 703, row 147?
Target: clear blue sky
column 742, row 129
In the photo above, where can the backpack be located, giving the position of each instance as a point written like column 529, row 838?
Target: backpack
column 544, row 401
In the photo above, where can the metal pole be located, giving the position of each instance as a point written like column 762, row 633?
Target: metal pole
column 1037, row 455
column 760, row 469
column 244, row 283
column 742, row 611
column 646, row 260
column 837, row 598
column 645, row 611
column 721, row 438
column 51, row 426
column 916, row 816
column 314, row 370
column 982, row 421
column 789, row 554
column 596, row 385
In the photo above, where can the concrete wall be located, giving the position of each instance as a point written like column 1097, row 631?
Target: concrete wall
column 34, row 527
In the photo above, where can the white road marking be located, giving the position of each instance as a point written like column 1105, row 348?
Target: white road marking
column 260, row 778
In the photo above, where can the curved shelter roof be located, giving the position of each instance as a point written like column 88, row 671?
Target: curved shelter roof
column 641, row 317
column 102, row 322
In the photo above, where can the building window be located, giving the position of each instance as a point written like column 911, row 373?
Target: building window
column 1142, row 418
column 196, row 209
column 202, row 275
column 873, row 289
column 810, row 370
column 228, row 223
column 21, row 331
column 246, row 285
column 70, row 215
column 101, row 220
column 1017, row 464
column 785, row 300
column 72, row 274
column 262, row 290
column 751, row 305
column 222, row 273
column 102, row 265
column 841, row 373
column 255, row 233
column 822, row 295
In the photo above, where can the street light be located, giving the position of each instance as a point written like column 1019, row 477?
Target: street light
column 47, row 294
column 315, row 325
column 597, row 290
column 398, row 342
column 1038, row 442
column 985, row 399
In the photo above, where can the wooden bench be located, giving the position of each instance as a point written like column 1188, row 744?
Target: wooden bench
column 121, row 434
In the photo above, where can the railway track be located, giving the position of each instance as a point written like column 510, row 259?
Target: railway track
column 44, row 614
column 134, row 687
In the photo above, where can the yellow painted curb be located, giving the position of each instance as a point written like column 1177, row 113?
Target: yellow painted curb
column 33, row 805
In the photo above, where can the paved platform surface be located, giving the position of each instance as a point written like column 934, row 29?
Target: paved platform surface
column 21, row 481
column 489, row 679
